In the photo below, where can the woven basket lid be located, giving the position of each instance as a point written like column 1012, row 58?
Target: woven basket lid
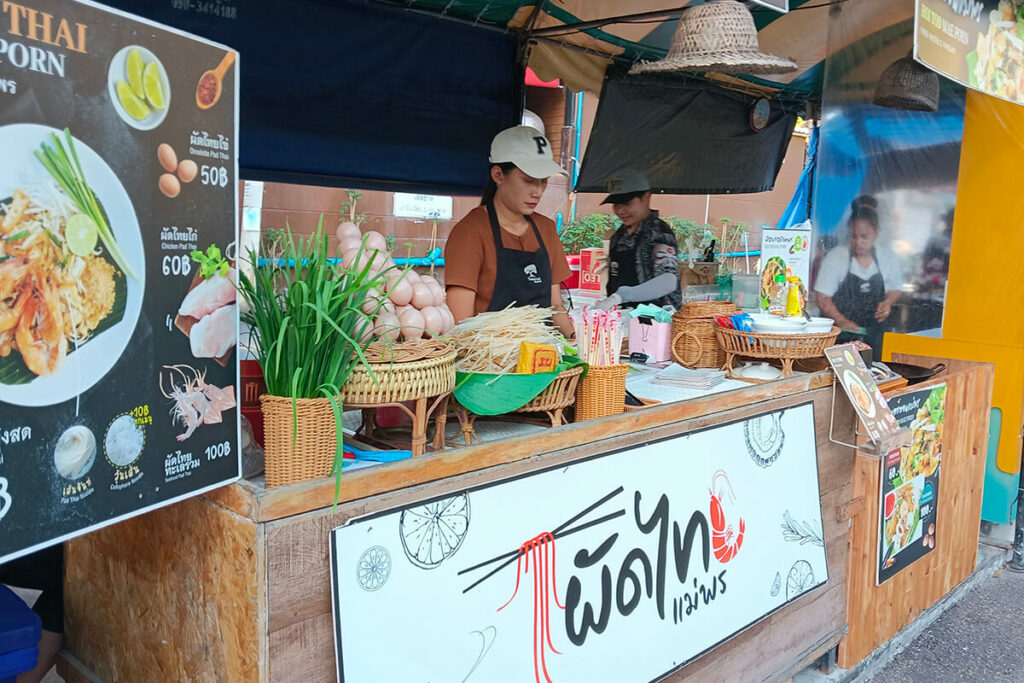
column 717, row 36
column 905, row 84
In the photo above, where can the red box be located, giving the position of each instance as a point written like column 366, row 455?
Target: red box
column 252, row 387
column 573, row 281
column 591, row 259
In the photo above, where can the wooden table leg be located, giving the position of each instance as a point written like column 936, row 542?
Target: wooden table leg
column 419, row 428
column 440, row 423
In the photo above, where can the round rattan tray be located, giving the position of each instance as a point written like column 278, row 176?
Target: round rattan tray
column 783, row 347
column 402, row 372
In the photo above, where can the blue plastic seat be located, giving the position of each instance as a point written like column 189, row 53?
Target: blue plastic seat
column 20, row 629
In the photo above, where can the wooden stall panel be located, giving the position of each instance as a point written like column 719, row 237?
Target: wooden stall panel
column 877, row 613
column 183, row 599
column 298, row 574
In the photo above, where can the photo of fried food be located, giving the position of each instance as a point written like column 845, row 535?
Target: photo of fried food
column 924, row 453
column 903, row 522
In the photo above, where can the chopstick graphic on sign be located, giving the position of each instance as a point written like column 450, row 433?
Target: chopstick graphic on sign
column 541, row 548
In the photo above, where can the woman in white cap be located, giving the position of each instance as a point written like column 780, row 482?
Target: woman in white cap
column 642, row 265
column 502, row 252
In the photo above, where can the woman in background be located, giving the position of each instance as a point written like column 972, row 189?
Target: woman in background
column 858, row 284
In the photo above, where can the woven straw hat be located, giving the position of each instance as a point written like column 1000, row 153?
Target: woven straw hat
column 717, row 36
column 905, row 84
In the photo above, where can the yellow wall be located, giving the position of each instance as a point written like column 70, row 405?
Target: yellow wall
column 984, row 318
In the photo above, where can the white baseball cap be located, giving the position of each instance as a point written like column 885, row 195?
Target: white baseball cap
column 528, row 149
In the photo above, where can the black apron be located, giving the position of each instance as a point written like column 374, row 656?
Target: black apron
column 622, row 266
column 858, row 299
column 522, row 277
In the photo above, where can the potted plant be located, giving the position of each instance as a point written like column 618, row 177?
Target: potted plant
column 309, row 330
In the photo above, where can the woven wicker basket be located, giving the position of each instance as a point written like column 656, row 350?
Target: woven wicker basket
column 694, row 343
column 402, row 372
column 646, row 403
column 302, row 453
column 558, row 396
column 601, row 392
column 784, row 347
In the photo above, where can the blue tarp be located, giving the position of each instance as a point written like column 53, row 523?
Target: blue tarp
column 358, row 94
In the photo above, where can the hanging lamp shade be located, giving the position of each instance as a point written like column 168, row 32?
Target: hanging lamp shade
column 717, row 36
column 906, row 84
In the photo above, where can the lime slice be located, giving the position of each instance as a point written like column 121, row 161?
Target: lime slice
column 133, row 67
column 154, row 86
column 81, row 234
column 135, row 107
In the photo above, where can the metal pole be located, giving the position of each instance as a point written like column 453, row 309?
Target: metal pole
column 1017, row 563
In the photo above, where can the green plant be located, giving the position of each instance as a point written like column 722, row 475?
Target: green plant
column 211, row 262
column 586, row 231
column 308, row 325
column 348, row 207
column 390, row 240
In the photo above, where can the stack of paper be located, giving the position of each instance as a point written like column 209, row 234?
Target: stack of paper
column 700, row 378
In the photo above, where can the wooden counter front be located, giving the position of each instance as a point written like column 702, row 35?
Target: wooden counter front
column 877, row 613
column 235, row 585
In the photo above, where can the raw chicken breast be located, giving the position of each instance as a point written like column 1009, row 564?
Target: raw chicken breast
column 214, row 335
column 209, row 295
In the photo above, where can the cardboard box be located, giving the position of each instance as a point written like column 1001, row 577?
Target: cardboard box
column 593, row 277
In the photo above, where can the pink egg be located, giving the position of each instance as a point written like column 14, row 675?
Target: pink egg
column 373, row 301
column 412, row 324
column 412, row 276
column 348, row 258
column 375, row 240
column 348, row 229
column 433, row 321
column 449, row 319
column 438, row 291
column 422, row 296
column 388, row 326
column 401, row 293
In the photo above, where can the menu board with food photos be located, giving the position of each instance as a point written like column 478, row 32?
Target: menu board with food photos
column 910, row 482
column 855, row 378
column 118, row 321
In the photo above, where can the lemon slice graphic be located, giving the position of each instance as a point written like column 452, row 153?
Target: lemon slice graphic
column 133, row 67
column 81, row 233
column 135, row 107
column 154, row 86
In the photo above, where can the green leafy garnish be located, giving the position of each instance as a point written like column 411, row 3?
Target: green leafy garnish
column 17, row 236
column 211, row 262
column 63, row 164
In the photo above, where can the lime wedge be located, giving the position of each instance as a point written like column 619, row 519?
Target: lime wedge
column 81, row 234
column 135, row 107
column 133, row 67
column 154, row 86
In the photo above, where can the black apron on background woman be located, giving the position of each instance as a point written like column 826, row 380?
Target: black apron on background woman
column 522, row 277
column 858, row 300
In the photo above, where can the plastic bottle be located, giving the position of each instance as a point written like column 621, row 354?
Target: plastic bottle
column 777, row 303
column 794, row 302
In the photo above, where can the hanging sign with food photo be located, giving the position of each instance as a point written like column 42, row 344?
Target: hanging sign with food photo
column 910, row 482
column 117, row 301
column 978, row 43
column 855, row 378
column 622, row 567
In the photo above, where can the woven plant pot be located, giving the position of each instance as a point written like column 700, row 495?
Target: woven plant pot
column 302, row 453
column 601, row 392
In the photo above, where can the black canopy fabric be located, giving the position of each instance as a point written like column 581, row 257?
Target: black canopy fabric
column 686, row 136
column 359, row 94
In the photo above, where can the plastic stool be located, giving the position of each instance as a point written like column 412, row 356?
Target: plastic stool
column 20, row 629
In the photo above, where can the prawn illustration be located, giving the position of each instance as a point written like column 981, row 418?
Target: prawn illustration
column 725, row 540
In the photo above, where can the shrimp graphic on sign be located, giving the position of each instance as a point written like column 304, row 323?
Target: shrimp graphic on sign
column 725, row 538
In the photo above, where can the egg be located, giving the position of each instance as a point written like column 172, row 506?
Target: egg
column 373, row 302
column 167, row 158
column 348, row 229
column 412, row 276
column 433, row 322
column 169, row 185
column 438, row 292
column 449, row 319
column 400, row 292
column 412, row 324
column 388, row 326
column 349, row 257
column 375, row 240
column 187, row 171
column 422, row 296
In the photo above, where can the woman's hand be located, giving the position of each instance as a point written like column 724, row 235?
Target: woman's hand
column 883, row 311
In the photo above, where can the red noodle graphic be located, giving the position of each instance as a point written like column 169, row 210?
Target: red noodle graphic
column 543, row 564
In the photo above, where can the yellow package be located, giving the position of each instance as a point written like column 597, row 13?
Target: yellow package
column 536, row 358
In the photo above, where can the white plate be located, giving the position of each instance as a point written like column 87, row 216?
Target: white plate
column 116, row 72
column 853, row 380
column 93, row 360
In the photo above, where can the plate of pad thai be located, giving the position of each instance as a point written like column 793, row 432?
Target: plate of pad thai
column 72, row 267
